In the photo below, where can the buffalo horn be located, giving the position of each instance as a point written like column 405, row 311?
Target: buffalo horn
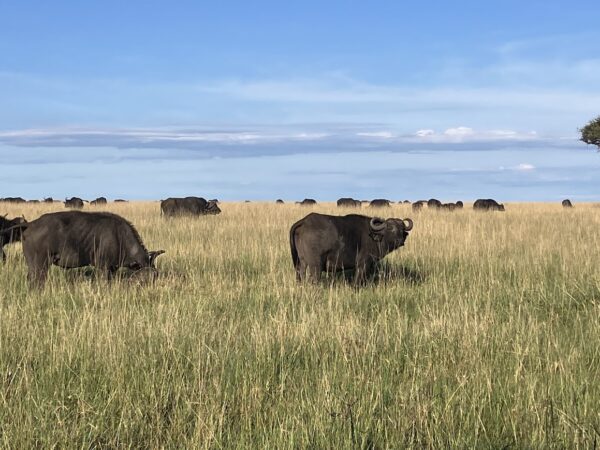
column 408, row 225
column 375, row 226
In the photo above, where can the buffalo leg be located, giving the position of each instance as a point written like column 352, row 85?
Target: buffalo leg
column 362, row 272
column 37, row 267
column 37, row 273
column 308, row 270
column 2, row 254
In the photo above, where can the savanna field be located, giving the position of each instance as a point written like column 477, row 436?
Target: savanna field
column 482, row 332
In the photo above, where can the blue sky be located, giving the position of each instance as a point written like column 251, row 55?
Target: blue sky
column 260, row 100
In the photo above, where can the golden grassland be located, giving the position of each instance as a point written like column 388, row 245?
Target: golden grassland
column 483, row 331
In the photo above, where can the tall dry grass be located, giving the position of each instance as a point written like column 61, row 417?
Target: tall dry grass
column 483, row 331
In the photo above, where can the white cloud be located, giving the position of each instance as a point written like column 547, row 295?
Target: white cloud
column 459, row 131
column 425, row 133
column 377, row 134
column 525, row 167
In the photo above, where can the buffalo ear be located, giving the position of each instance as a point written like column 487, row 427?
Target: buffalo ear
column 153, row 255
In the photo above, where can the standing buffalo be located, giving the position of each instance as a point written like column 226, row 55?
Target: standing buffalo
column 567, row 203
column 418, row 205
column 279, row 201
column 452, row 206
column 120, row 200
column 13, row 200
column 74, row 202
column 71, row 239
column 434, row 203
column 99, row 201
column 9, row 232
column 190, row 206
column 49, row 200
column 487, row 204
column 321, row 242
column 379, row 203
column 307, row 202
column 347, row 202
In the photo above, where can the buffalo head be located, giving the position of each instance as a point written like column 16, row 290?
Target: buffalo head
column 390, row 233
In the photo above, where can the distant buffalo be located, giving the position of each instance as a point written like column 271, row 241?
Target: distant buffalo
column 9, row 232
column 406, row 202
column 74, row 202
column 418, row 205
column 188, row 206
column 307, row 202
column 33, row 201
column 71, row 239
column 567, row 203
column 434, row 203
column 379, row 203
column 99, row 201
column 49, row 200
column 120, row 200
column 348, row 202
column 321, row 242
column 279, row 201
column 13, row 200
column 452, row 206
column 487, row 204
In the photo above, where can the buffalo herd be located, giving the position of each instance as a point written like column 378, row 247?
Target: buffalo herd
column 318, row 242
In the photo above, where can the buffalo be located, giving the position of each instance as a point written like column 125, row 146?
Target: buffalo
column 452, row 206
column 120, row 200
column 307, row 202
column 347, row 202
column 434, row 203
column 487, row 204
column 321, row 242
column 71, row 239
column 99, row 201
column 418, row 205
column 9, row 232
column 567, row 203
column 379, row 203
column 279, row 201
column 13, row 200
column 49, row 200
column 74, row 202
column 190, row 206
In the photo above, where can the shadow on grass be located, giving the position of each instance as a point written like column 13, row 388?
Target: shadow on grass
column 384, row 273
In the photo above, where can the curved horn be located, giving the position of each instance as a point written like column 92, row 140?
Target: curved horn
column 377, row 226
column 408, row 224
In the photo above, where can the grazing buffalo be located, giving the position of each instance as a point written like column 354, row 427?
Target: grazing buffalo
column 99, row 201
column 74, row 202
column 487, row 204
column 434, row 203
column 13, row 200
column 406, row 202
column 120, row 200
column 567, row 203
column 71, row 239
column 347, row 202
column 49, row 200
column 188, row 206
column 321, row 242
column 452, row 206
column 9, row 232
column 308, row 202
column 418, row 205
column 279, row 201
column 379, row 203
